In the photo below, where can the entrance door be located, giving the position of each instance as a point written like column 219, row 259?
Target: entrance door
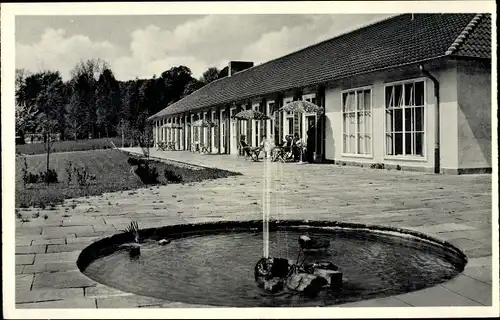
column 311, row 129
column 233, row 148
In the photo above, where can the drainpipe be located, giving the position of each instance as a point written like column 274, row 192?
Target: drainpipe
column 437, row 156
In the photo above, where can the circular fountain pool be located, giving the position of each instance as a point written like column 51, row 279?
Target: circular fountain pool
column 213, row 264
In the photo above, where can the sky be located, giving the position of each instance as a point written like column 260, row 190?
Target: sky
column 142, row 46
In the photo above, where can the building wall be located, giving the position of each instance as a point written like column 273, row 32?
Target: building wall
column 446, row 75
column 474, row 115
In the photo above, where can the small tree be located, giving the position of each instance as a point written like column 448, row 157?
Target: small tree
column 48, row 128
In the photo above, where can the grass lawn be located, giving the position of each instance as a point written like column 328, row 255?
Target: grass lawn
column 71, row 145
column 112, row 171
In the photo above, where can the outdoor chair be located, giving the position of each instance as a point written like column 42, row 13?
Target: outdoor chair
column 244, row 149
column 194, row 147
column 162, row 146
column 170, row 146
column 203, row 148
column 283, row 154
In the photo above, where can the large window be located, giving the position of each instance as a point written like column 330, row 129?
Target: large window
column 405, row 114
column 357, row 120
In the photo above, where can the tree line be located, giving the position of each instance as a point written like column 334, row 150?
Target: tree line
column 94, row 104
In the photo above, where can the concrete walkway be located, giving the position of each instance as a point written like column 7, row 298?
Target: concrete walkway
column 453, row 208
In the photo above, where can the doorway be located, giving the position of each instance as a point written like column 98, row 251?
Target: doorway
column 233, row 149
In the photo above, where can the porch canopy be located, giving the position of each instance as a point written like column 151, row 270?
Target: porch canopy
column 171, row 125
column 250, row 115
column 301, row 106
column 203, row 123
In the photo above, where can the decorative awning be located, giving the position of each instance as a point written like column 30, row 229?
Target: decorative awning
column 250, row 115
column 301, row 106
column 203, row 123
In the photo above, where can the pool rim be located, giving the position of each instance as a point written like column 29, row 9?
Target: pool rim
column 110, row 244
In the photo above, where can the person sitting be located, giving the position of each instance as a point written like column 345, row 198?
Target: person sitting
column 296, row 147
column 244, row 147
column 265, row 146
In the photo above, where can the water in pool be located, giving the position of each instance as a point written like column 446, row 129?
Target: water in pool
column 219, row 269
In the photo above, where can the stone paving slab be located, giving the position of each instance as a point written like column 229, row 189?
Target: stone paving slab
column 471, row 288
column 63, row 279
column 453, row 208
column 80, row 303
column 49, row 295
column 378, row 303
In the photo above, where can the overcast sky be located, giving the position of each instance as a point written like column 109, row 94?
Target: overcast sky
column 141, row 46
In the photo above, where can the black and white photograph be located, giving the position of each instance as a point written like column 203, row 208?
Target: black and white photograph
column 249, row 160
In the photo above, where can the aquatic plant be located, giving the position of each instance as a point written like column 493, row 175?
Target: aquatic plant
column 133, row 229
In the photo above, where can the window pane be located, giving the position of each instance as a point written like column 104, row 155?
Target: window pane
column 368, row 122
column 361, row 120
column 352, row 123
column 388, row 120
column 361, row 144
column 389, row 100
column 398, row 143
column 352, row 143
column 367, row 99
column 398, row 94
column 388, row 140
column 419, row 93
column 419, row 119
column 350, row 102
column 368, row 144
column 398, row 120
column 345, row 146
column 361, row 100
column 346, row 123
column 419, row 144
column 409, row 94
column 313, row 100
column 408, row 144
column 408, row 119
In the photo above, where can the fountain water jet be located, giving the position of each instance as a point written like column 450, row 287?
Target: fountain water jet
column 266, row 208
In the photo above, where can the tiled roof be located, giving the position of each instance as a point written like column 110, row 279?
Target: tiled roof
column 475, row 40
column 402, row 39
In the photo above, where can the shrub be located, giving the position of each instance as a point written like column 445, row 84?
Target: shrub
column 172, row 176
column 83, row 177
column 136, row 162
column 49, row 176
column 377, row 166
column 147, row 174
column 33, row 178
column 69, row 172
column 398, row 167
column 25, row 172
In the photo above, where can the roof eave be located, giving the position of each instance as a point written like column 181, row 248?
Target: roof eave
column 319, row 83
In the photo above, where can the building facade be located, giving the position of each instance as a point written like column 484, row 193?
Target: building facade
column 417, row 96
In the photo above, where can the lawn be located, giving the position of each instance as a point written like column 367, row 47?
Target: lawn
column 71, row 145
column 110, row 167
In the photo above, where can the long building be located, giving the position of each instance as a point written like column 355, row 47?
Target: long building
column 412, row 91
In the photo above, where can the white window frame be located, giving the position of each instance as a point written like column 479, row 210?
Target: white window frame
column 424, row 157
column 271, row 122
column 255, row 141
column 212, row 130
column 243, row 124
column 286, row 116
column 308, row 97
column 355, row 90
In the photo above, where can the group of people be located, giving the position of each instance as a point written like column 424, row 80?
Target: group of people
column 292, row 143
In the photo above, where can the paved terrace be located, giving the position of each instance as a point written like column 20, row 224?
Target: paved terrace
column 453, row 208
